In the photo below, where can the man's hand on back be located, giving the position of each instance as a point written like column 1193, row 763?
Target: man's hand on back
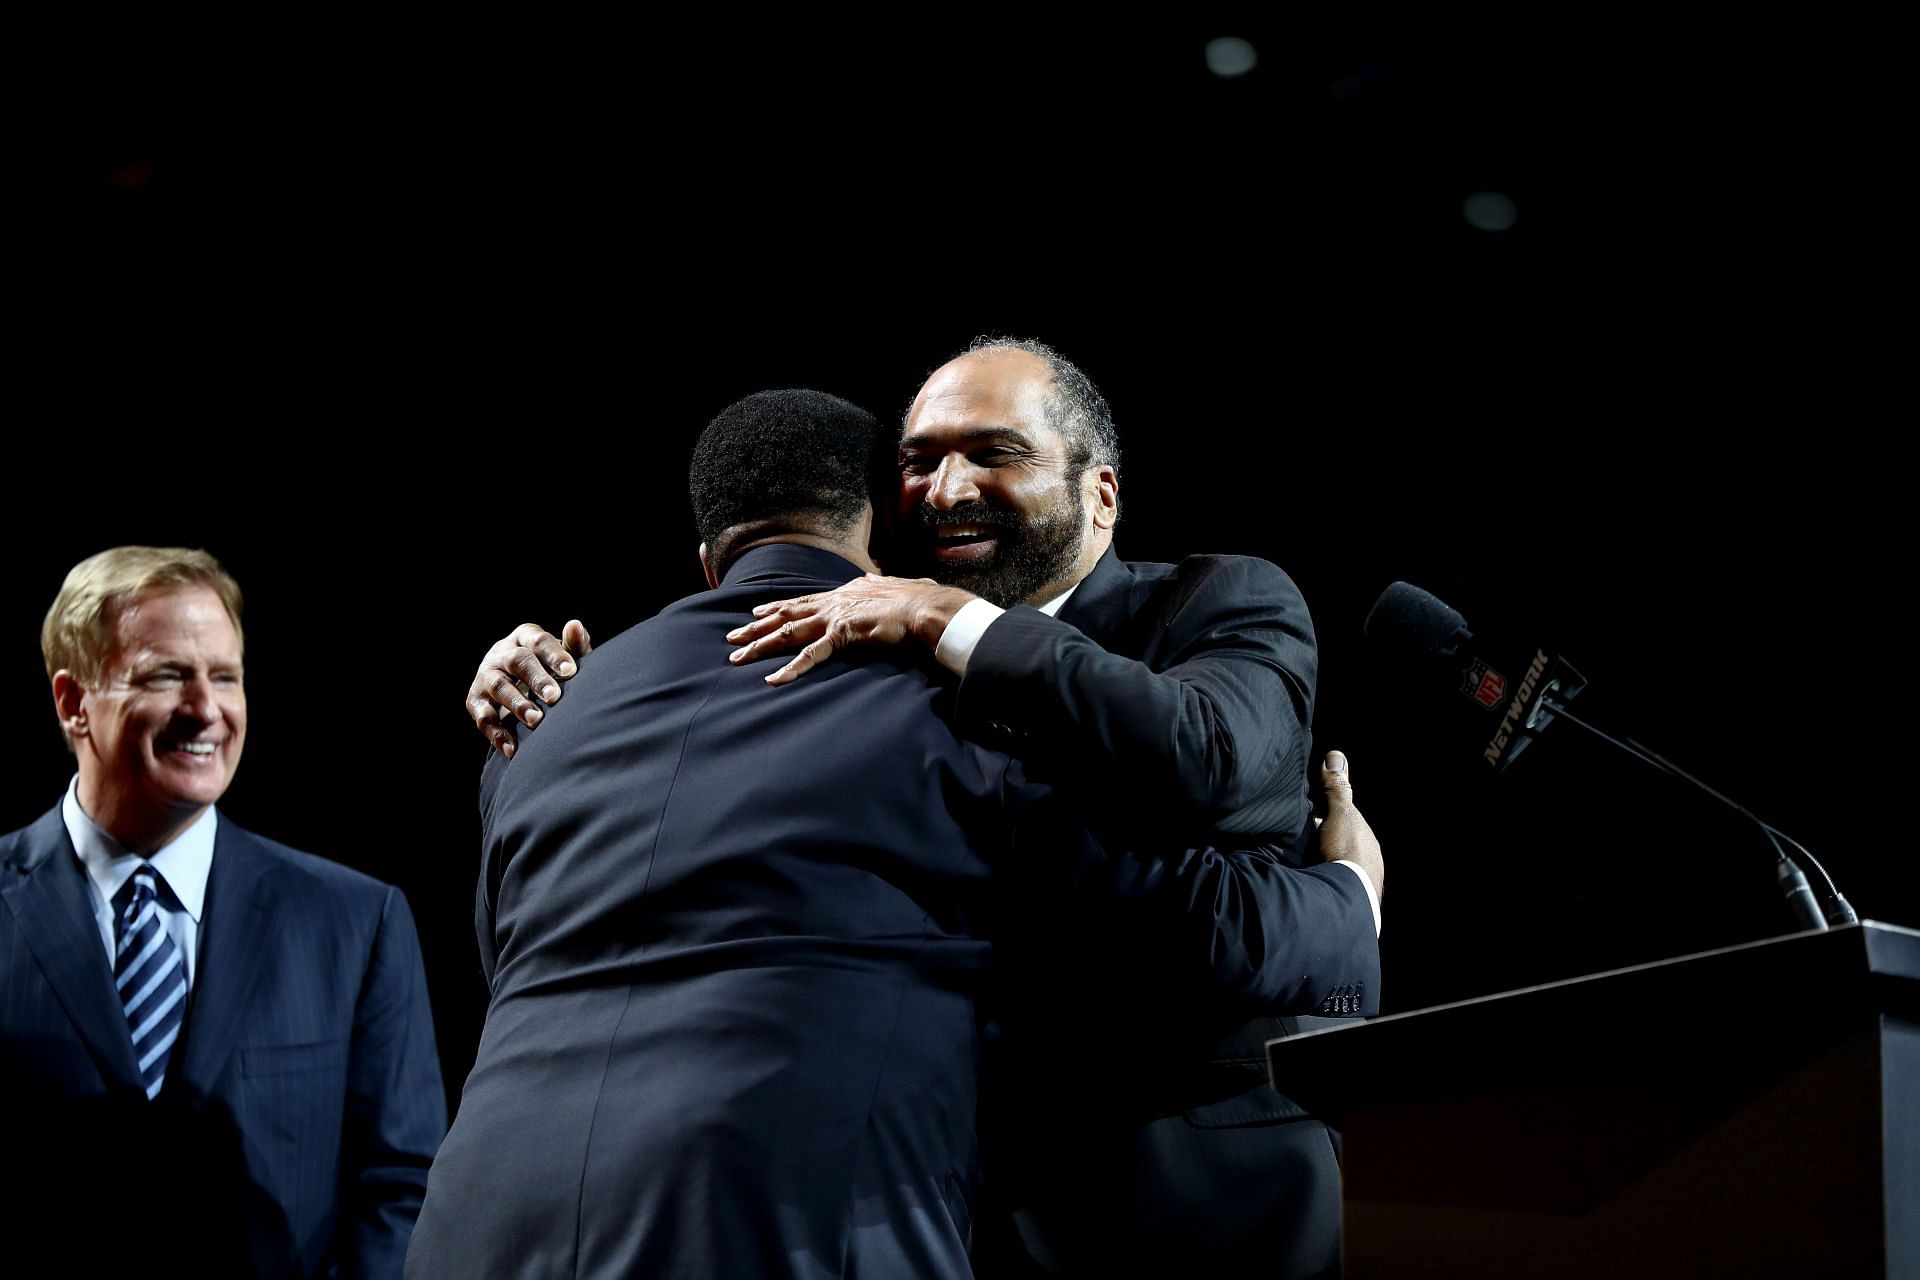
column 872, row 610
column 526, row 664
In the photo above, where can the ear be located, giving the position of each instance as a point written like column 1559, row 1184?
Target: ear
column 1104, row 497
column 70, row 702
column 706, row 567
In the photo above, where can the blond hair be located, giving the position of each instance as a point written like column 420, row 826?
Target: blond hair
column 78, row 632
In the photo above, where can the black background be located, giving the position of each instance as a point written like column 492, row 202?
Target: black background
column 414, row 329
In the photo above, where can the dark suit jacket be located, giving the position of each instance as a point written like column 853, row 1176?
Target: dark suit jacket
column 1174, row 700
column 303, row 1100
column 734, row 936
column 1179, row 696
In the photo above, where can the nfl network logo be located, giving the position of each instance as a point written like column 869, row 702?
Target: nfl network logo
column 1483, row 684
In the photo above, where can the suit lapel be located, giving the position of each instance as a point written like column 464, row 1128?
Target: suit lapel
column 234, row 929
column 1102, row 605
column 55, row 916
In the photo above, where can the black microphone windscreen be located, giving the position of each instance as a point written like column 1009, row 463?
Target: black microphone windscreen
column 1416, row 623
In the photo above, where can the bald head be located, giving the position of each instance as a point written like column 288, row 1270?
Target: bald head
column 987, row 390
column 1045, row 384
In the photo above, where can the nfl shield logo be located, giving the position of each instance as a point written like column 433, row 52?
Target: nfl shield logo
column 1483, row 684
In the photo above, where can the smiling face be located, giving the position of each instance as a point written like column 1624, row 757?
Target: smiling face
column 990, row 498
column 159, row 733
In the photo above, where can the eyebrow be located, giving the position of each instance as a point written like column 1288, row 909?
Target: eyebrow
column 976, row 435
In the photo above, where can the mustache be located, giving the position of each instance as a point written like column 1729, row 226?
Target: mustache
column 980, row 513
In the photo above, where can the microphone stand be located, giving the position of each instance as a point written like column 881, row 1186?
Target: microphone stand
column 1793, row 882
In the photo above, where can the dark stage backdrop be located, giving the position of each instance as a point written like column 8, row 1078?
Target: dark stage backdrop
column 416, row 338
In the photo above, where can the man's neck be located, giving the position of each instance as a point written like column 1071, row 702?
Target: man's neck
column 857, row 555
column 136, row 832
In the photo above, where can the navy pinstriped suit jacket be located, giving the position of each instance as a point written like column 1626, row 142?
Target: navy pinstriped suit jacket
column 302, row 1102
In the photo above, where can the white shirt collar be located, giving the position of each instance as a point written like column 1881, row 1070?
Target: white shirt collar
column 184, row 862
column 1052, row 607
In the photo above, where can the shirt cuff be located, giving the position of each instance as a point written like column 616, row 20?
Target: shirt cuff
column 962, row 636
column 1373, row 894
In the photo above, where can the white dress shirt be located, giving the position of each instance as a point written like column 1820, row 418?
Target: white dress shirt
column 184, row 863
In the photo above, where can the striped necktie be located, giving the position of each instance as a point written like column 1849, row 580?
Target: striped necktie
column 150, row 973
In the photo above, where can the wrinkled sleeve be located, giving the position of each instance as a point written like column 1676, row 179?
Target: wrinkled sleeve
column 1216, row 737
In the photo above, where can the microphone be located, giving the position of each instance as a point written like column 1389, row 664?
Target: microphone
column 1503, row 701
column 1415, row 632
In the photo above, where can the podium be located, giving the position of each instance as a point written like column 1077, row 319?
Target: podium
column 1750, row 1111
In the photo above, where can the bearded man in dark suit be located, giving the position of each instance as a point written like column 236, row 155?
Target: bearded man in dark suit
column 1172, row 702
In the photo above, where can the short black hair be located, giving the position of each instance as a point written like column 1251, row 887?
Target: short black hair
column 1075, row 409
column 793, row 460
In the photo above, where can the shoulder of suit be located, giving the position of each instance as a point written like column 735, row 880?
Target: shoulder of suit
column 1252, row 566
column 310, row 870
column 1242, row 574
column 19, row 849
column 13, row 848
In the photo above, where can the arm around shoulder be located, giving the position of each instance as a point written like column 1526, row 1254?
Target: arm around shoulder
column 1246, row 926
column 1211, row 718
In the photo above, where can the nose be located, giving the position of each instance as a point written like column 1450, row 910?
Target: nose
column 953, row 484
column 198, row 700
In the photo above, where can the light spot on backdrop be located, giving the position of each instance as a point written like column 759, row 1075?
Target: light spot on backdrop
column 1230, row 56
